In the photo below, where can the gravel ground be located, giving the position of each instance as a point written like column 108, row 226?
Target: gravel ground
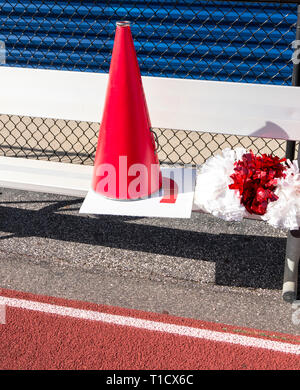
column 202, row 267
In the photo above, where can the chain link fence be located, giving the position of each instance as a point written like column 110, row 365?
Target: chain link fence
column 213, row 40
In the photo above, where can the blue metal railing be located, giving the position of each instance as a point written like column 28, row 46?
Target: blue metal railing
column 215, row 40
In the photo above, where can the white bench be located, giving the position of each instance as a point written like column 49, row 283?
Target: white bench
column 219, row 107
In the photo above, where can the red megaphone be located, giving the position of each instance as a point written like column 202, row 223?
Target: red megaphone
column 126, row 163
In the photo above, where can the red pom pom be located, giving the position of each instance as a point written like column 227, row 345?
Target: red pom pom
column 256, row 178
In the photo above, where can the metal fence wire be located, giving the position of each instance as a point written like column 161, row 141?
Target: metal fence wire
column 212, row 40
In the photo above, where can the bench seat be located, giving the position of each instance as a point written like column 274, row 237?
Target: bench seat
column 45, row 176
column 51, row 177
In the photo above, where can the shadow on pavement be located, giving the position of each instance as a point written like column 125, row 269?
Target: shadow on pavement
column 240, row 260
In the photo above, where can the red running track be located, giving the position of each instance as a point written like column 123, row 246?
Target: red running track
column 51, row 333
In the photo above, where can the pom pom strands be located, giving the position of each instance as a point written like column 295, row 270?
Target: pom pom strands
column 256, row 178
column 285, row 212
column 212, row 193
column 236, row 183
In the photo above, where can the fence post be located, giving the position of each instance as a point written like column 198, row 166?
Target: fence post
column 290, row 279
column 292, row 256
column 291, row 145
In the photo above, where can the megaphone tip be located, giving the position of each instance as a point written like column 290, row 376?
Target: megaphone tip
column 123, row 23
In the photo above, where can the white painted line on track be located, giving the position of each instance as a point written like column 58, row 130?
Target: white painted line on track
column 205, row 334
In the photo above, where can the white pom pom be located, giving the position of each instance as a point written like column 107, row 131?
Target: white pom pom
column 285, row 211
column 212, row 194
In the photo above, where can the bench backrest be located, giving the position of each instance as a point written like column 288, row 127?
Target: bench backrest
column 208, row 106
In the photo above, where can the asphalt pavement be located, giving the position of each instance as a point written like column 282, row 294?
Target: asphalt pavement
column 202, row 267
